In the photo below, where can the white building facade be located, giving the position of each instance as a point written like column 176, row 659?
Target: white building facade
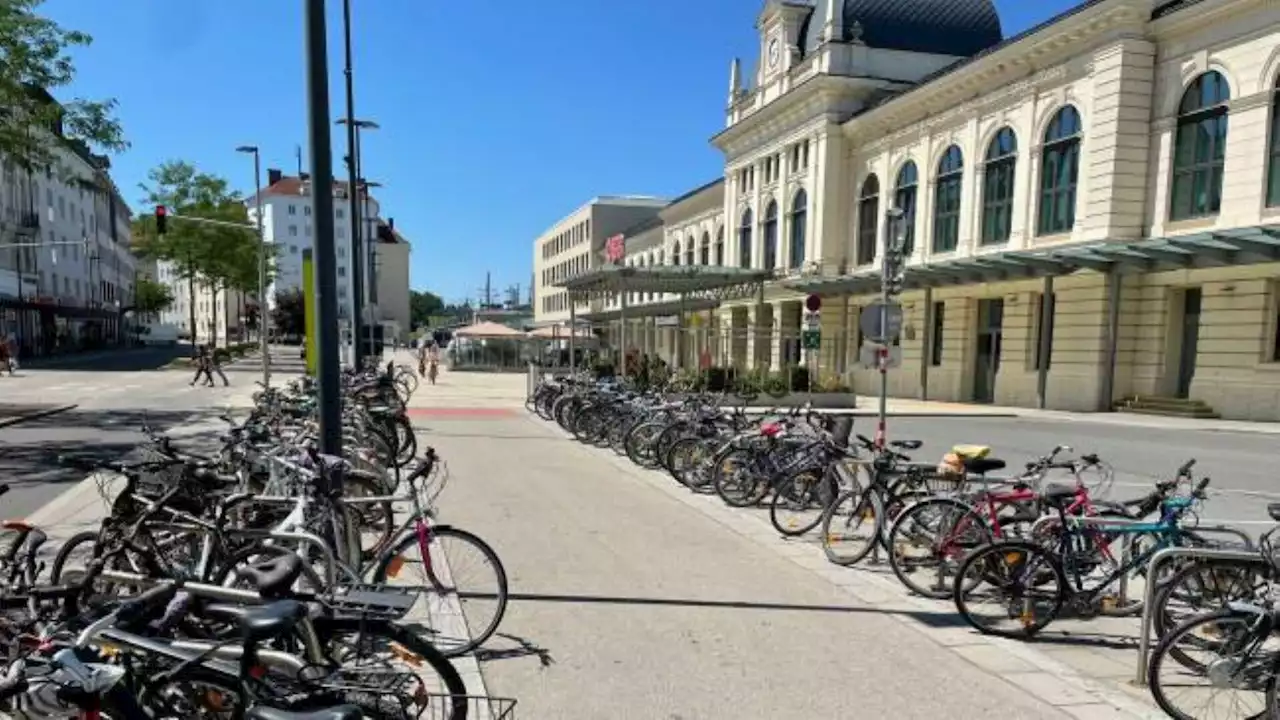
column 67, row 268
column 1092, row 207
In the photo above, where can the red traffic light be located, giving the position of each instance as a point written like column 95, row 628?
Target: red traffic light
column 160, row 211
column 161, row 215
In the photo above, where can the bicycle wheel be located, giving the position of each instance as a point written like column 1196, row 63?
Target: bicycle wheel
column 447, row 591
column 930, row 539
column 1022, row 581
column 737, row 480
column 1203, row 587
column 851, row 526
column 1234, row 677
column 799, row 501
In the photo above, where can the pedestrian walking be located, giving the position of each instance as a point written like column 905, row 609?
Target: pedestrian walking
column 216, row 367
column 202, row 363
column 11, row 348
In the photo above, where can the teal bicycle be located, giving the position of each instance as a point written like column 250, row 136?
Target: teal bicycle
column 1027, row 585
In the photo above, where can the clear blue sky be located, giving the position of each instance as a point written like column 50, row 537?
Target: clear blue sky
column 498, row 117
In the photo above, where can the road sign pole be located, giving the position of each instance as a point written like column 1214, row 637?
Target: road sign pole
column 889, row 268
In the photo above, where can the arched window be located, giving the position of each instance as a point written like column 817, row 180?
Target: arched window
column 689, row 251
column 706, row 248
column 1059, row 173
column 946, row 201
column 720, row 246
column 1273, row 166
column 868, row 221
column 997, row 187
column 799, row 220
column 675, row 254
column 771, row 235
column 1198, row 152
column 904, row 197
column 639, row 297
column 744, row 239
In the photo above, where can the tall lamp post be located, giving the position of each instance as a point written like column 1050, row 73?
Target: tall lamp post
column 357, row 188
column 263, row 315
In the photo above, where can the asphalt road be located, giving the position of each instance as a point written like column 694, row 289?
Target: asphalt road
column 117, row 394
column 1237, row 463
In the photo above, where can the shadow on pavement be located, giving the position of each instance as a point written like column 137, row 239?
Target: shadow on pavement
column 149, row 358
column 515, row 647
column 930, row 618
column 29, row 452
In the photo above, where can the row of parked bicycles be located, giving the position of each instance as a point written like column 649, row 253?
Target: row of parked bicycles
column 1012, row 551
column 260, row 580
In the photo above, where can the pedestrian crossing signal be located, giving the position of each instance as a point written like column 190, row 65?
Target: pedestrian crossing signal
column 162, row 215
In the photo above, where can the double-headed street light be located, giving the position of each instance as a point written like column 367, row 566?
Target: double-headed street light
column 356, row 187
column 263, row 322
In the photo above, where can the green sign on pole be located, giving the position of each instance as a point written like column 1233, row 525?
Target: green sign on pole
column 811, row 339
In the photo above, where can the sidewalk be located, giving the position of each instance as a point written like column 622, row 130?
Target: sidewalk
column 14, row 413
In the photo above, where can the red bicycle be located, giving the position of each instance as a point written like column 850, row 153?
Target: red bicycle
column 930, row 538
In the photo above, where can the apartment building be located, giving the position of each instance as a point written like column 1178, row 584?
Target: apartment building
column 391, row 270
column 576, row 243
column 67, row 268
column 1092, row 206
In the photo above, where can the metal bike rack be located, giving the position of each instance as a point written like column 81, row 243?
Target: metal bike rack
column 332, row 566
column 1158, row 560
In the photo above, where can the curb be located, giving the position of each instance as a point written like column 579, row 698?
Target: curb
column 6, row 422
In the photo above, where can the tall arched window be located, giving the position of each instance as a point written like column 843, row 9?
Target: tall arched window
column 946, row 201
column 1199, row 150
column 720, row 246
column 1059, row 172
column 904, row 197
column 799, row 227
column 744, row 239
column 675, row 254
column 640, row 297
column 868, row 221
column 706, row 248
column 689, row 250
column 771, row 235
column 1273, row 166
column 997, row 187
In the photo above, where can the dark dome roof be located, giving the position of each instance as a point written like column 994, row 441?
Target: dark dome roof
column 941, row 27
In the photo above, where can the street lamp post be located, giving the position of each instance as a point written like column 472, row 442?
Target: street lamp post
column 357, row 207
column 262, row 263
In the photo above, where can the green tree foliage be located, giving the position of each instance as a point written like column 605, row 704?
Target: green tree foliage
column 151, row 297
column 422, row 305
column 33, row 63
column 288, row 317
column 217, row 257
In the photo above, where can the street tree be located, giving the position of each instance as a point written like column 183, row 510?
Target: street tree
column 151, row 297
column 213, row 256
column 34, row 62
column 422, row 305
column 289, row 315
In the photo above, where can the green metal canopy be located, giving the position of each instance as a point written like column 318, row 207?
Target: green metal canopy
column 710, row 282
column 650, row 309
column 1237, row 246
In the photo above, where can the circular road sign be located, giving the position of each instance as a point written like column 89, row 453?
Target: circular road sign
column 813, row 303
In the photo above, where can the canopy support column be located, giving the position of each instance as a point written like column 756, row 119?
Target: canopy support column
column 573, row 330
column 622, row 334
column 1107, row 386
column 927, row 356
column 1045, row 340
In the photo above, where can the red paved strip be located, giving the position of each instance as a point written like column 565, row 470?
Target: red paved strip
column 461, row 412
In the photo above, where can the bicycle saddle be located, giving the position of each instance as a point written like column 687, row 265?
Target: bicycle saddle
column 907, row 444
column 271, row 621
column 982, row 466
column 1058, row 496
column 273, row 578
column 339, row 712
column 1273, row 509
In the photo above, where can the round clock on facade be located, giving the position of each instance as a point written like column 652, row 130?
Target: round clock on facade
column 773, row 52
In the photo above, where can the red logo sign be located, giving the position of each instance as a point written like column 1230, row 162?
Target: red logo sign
column 615, row 248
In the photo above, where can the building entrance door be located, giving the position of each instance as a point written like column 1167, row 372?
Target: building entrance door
column 1190, row 344
column 987, row 360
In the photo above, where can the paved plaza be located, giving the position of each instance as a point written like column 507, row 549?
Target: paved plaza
column 633, row 598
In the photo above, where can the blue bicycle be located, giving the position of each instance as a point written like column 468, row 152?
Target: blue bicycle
column 1027, row 585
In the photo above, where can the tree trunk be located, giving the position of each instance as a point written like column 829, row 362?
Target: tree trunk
column 191, row 307
column 213, row 312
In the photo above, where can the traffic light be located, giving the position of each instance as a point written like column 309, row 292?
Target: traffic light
column 162, row 216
